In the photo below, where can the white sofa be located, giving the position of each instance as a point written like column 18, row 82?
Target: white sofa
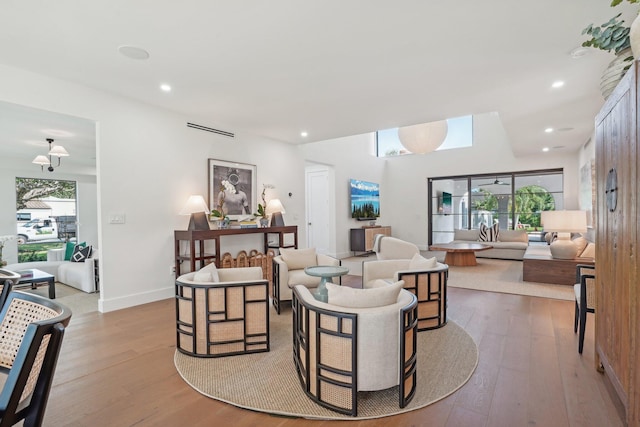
column 511, row 244
column 80, row 275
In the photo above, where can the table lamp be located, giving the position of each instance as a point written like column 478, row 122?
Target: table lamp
column 275, row 208
column 564, row 223
column 197, row 208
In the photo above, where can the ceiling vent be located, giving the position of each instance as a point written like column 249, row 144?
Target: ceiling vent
column 212, row 130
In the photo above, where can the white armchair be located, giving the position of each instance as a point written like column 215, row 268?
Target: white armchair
column 367, row 342
column 288, row 271
column 425, row 278
column 387, row 247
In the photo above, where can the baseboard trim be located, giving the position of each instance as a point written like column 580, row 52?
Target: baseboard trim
column 106, row 305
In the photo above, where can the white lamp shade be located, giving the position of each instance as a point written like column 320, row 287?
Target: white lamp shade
column 274, row 205
column 58, row 151
column 564, row 221
column 423, row 138
column 194, row 204
column 41, row 160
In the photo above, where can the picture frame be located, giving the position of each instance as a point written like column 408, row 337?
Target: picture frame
column 241, row 177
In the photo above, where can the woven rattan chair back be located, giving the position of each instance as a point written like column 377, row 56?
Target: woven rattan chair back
column 31, row 331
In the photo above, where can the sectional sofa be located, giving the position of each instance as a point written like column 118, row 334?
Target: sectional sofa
column 511, row 244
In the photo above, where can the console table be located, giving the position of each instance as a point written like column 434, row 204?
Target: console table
column 539, row 266
column 196, row 239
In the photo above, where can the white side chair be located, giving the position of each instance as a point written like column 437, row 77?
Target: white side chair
column 288, row 271
column 387, row 247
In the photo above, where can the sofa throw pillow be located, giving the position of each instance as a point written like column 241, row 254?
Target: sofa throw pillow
column 589, row 251
column 80, row 254
column 69, row 247
column 418, row 262
column 345, row 296
column 208, row 273
column 489, row 234
column 581, row 244
column 297, row 259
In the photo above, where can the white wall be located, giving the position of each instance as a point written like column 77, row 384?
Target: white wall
column 403, row 179
column 148, row 163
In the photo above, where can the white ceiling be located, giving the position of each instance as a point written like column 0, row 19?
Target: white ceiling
column 331, row 68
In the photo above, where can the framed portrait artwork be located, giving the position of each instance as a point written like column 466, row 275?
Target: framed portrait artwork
column 232, row 188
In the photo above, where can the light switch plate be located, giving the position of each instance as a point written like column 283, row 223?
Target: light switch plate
column 116, row 218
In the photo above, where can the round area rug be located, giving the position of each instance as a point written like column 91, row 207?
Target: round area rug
column 268, row 382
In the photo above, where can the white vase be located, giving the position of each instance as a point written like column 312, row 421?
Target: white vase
column 614, row 72
column 634, row 37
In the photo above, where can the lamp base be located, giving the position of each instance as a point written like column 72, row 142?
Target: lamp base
column 563, row 249
column 277, row 220
column 198, row 221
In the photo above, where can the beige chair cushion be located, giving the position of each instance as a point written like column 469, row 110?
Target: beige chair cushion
column 298, row 259
column 344, row 296
column 422, row 263
column 208, row 273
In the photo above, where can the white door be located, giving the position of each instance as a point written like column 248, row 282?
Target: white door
column 318, row 216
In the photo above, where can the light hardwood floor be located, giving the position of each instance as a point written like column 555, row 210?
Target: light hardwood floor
column 116, row 369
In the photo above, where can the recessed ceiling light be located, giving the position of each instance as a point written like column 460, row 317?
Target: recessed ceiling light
column 165, row 87
column 133, row 52
column 545, row 149
column 548, row 130
column 557, row 84
column 304, row 134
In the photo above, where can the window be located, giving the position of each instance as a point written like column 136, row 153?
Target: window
column 513, row 200
column 459, row 135
column 46, row 216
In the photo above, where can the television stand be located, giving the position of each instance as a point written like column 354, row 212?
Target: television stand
column 361, row 239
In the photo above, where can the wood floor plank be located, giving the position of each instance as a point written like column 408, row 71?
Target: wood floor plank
column 117, row 369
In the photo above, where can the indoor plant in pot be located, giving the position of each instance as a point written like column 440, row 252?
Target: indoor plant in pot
column 612, row 36
column 261, row 213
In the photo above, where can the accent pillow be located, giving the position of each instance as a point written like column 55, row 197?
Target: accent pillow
column 344, row 296
column 208, row 273
column 581, row 244
column 489, row 234
column 298, row 259
column 69, row 247
column 80, row 254
column 589, row 251
column 418, row 262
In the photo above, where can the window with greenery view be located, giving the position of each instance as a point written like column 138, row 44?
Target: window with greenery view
column 45, row 216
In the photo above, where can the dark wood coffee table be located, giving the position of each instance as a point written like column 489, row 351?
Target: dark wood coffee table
column 460, row 254
column 38, row 277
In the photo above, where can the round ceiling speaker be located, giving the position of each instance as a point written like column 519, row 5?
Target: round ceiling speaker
column 423, row 138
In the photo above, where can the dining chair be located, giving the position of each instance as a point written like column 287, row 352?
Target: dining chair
column 585, row 294
column 31, row 332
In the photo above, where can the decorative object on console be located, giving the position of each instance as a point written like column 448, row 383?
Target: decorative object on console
column 197, row 208
column 55, row 151
column 232, row 188
column 3, row 240
column 262, row 213
column 423, row 138
column 564, row 223
column 275, row 209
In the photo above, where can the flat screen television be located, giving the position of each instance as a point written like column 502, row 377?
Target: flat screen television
column 365, row 200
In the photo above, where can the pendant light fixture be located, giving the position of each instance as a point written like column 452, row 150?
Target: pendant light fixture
column 54, row 151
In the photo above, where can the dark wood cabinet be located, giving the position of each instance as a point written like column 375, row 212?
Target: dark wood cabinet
column 198, row 257
column 361, row 239
column 617, row 336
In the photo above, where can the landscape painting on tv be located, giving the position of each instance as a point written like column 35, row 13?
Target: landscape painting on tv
column 365, row 200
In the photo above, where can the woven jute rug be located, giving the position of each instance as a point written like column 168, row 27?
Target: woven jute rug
column 268, row 382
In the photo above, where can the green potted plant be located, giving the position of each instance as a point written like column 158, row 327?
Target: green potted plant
column 262, row 213
column 612, row 36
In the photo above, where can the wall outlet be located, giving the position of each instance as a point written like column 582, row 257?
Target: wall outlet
column 172, row 269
